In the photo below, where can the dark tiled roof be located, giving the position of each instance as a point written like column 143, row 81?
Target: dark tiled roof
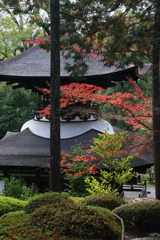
column 23, row 161
column 140, row 146
column 24, row 143
column 35, row 64
column 25, row 149
column 8, row 134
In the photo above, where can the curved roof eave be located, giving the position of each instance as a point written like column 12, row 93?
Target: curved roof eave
column 35, row 62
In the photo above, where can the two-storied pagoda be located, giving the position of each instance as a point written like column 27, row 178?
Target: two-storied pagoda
column 27, row 153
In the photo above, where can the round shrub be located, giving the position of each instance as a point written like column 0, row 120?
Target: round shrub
column 45, row 199
column 104, row 201
column 74, row 221
column 141, row 215
column 18, row 225
column 8, row 204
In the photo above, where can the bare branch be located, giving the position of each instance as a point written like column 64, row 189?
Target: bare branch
column 72, row 16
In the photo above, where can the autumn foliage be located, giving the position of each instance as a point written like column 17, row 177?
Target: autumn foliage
column 79, row 165
column 105, row 152
column 76, row 167
column 77, row 99
column 135, row 107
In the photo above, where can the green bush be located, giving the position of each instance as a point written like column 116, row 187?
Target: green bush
column 18, row 225
column 141, row 215
column 45, row 199
column 17, row 188
column 71, row 221
column 8, row 204
column 62, row 220
column 104, row 201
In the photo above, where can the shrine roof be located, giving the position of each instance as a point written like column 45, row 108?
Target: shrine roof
column 34, row 63
column 24, row 149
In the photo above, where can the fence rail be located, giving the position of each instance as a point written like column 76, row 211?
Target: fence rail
column 142, row 188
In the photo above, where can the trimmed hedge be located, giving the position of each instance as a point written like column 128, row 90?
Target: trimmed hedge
column 18, row 226
column 104, row 201
column 77, row 221
column 9, row 204
column 141, row 215
column 62, row 219
column 45, row 199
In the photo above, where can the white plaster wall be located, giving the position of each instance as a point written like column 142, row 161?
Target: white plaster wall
column 68, row 129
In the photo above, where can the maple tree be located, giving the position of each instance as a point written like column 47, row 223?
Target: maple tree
column 83, row 99
column 77, row 99
column 118, row 171
column 136, row 107
column 76, row 167
column 115, row 116
column 104, row 152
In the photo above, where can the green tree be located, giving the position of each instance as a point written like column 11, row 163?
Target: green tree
column 16, row 108
column 15, row 29
column 118, row 170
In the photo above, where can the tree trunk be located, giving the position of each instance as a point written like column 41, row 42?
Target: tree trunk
column 156, row 100
column 55, row 183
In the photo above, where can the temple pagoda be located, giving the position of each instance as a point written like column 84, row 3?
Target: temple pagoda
column 27, row 153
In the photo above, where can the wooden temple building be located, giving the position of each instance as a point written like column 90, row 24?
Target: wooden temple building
column 27, row 153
